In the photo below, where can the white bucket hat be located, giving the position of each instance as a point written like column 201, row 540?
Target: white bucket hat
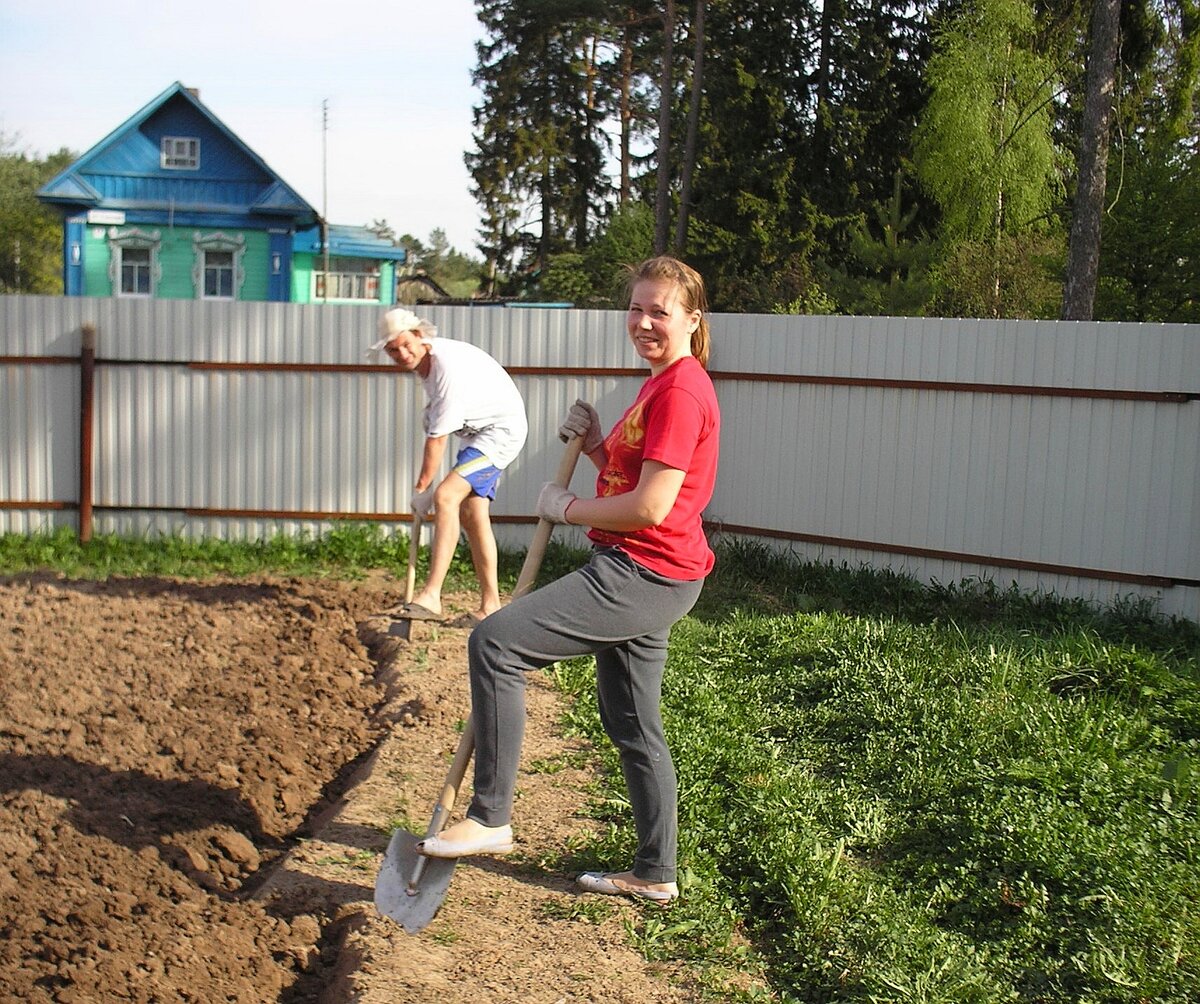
column 398, row 320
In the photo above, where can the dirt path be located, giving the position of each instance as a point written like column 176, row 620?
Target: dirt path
column 196, row 785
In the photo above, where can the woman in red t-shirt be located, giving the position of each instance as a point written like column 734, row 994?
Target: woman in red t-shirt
column 657, row 467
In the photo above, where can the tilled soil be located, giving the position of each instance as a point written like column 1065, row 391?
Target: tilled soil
column 197, row 783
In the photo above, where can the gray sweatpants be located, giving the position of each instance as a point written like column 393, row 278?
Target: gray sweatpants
column 622, row 613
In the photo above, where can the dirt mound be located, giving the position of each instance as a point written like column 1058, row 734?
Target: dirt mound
column 197, row 780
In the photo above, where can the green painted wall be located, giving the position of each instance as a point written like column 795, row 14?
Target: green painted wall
column 177, row 258
column 95, row 263
column 305, row 263
column 302, row 270
column 387, row 282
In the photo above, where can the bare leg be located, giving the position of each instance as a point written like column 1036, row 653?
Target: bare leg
column 446, row 500
column 476, row 520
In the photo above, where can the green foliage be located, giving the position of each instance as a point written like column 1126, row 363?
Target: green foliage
column 889, row 273
column 538, row 160
column 742, row 279
column 595, row 278
column 805, row 112
column 814, row 301
column 31, row 237
column 453, row 271
column 627, row 239
column 584, row 910
column 346, row 551
column 564, row 279
column 746, row 165
column 1013, row 276
column 1150, row 253
column 903, row 793
column 984, row 147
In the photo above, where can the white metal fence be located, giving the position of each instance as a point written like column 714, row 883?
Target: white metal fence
column 1060, row 456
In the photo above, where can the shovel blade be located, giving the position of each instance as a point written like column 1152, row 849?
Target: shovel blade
column 400, row 628
column 411, row 910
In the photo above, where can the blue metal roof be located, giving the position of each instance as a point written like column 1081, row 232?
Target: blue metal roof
column 124, row 170
column 348, row 242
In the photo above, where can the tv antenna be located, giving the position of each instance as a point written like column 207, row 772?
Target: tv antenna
column 325, row 193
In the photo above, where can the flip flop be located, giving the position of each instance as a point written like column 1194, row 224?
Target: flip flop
column 416, row 612
column 602, row 882
column 469, row 620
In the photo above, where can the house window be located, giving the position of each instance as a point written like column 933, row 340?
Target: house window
column 133, row 266
column 135, row 271
column 217, row 269
column 348, row 279
column 180, row 153
column 218, row 275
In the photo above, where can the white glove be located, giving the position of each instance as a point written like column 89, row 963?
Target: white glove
column 553, row 501
column 582, row 421
column 422, row 503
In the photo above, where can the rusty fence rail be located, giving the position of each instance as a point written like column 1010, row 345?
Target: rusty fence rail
column 1059, row 456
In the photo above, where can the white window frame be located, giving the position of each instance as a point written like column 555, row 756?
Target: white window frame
column 222, row 274
column 202, row 244
column 180, row 153
column 139, row 272
column 133, row 239
column 350, row 284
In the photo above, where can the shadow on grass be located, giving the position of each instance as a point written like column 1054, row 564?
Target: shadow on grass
column 752, row 577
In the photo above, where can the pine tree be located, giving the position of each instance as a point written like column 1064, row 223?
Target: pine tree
column 1083, row 255
column 538, row 162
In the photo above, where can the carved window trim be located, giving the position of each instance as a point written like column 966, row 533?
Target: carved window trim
column 234, row 244
column 133, row 238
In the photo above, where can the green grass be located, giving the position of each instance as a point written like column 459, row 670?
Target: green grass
column 910, row 794
column 348, row 551
column 888, row 792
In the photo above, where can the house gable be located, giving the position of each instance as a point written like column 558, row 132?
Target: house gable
column 125, row 171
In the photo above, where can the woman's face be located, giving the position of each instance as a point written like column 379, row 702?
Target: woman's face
column 659, row 327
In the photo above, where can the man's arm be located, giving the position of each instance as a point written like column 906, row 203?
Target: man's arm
column 431, row 461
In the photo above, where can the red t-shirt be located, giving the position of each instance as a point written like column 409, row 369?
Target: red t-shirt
column 675, row 420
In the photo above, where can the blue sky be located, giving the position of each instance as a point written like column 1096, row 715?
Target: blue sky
column 396, row 75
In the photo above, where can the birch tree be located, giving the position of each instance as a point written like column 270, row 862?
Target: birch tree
column 984, row 145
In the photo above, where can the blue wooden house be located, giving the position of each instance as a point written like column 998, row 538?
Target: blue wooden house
column 172, row 204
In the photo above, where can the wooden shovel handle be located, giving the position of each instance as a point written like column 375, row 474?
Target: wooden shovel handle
column 414, row 544
column 529, row 572
column 541, row 535
column 454, row 780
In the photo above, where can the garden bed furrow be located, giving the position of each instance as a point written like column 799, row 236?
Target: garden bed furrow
column 197, row 780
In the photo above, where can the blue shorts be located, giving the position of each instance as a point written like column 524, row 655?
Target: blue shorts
column 478, row 472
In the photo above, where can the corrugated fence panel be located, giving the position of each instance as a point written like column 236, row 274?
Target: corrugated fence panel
column 855, row 460
column 39, row 412
column 1069, row 481
column 39, row 405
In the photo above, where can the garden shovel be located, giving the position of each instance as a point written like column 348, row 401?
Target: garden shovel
column 410, row 887
column 402, row 627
